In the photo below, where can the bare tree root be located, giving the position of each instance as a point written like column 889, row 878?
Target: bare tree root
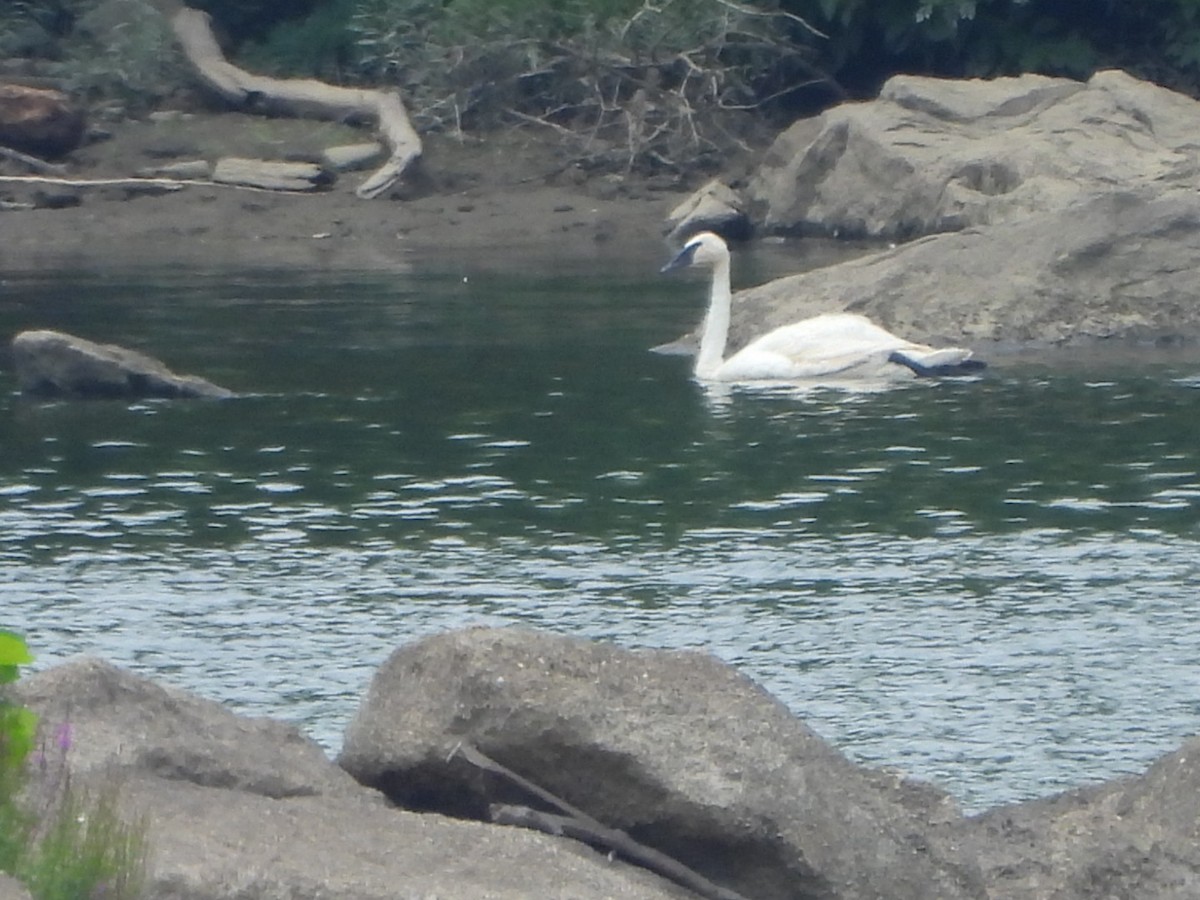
column 301, row 97
column 578, row 825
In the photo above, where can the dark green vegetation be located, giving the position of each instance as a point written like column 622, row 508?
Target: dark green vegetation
column 666, row 84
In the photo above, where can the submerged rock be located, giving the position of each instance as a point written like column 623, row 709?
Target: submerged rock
column 54, row 364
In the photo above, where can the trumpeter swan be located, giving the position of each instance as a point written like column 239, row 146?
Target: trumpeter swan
column 841, row 344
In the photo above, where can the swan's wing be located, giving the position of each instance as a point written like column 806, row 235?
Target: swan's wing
column 839, row 344
column 943, row 362
column 833, row 334
column 823, row 345
column 756, row 363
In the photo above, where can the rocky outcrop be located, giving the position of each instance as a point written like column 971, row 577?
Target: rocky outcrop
column 248, row 808
column 53, row 364
column 39, row 121
column 1115, row 267
column 714, row 207
column 121, row 724
column 675, row 748
column 1134, row 837
column 1041, row 211
column 931, row 155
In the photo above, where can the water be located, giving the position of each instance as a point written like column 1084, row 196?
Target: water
column 989, row 584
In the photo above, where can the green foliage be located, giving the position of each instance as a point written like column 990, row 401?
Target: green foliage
column 100, row 51
column 62, row 842
column 87, row 850
column 868, row 40
column 318, row 46
column 18, row 727
column 253, row 20
column 131, row 58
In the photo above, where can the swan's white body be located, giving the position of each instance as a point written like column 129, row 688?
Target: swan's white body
column 844, row 345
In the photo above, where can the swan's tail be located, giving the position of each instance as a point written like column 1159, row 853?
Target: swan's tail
column 950, row 362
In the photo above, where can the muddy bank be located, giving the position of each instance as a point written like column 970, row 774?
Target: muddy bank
column 514, row 196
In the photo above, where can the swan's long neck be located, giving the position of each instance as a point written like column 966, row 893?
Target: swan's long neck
column 716, row 321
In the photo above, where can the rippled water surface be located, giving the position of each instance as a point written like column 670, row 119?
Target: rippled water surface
column 989, row 584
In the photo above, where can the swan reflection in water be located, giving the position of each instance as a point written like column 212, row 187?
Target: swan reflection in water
column 843, row 348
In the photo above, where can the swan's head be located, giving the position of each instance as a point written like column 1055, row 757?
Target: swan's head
column 703, row 249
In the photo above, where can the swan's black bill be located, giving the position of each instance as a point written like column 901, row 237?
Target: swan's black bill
column 682, row 259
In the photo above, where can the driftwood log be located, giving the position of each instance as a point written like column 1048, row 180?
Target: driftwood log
column 302, row 97
column 270, row 174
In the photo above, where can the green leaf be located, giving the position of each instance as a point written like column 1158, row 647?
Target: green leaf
column 18, row 729
column 13, row 653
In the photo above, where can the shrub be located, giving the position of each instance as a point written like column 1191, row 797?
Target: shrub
column 634, row 84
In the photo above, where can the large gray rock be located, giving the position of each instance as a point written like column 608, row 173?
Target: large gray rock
column 226, row 845
column 54, row 364
column 675, row 748
column 934, row 155
column 1117, row 266
column 117, row 720
column 1129, row 838
column 242, row 809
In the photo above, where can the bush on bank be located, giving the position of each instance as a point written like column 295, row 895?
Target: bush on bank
column 647, row 84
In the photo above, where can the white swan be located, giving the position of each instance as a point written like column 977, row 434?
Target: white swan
column 841, row 344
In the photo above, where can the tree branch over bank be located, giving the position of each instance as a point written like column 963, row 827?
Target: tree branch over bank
column 301, row 97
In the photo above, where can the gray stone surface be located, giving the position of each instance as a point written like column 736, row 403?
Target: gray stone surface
column 120, row 721
column 1117, row 266
column 932, row 155
column 1135, row 838
column 54, row 364
column 211, row 844
column 248, row 808
column 675, row 748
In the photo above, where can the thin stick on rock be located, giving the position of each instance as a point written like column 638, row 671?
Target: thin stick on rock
column 580, row 826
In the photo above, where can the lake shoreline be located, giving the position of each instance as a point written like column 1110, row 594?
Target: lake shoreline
column 510, row 196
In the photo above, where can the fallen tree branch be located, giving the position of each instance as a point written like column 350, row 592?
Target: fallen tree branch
column 580, row 826
column 302, row 97
column 170, row 184
column 167, row 184
column 30, row 162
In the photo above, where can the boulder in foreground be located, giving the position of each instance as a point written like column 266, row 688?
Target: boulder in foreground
column 676, row 749
column 53, row 364
column 248, row 808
